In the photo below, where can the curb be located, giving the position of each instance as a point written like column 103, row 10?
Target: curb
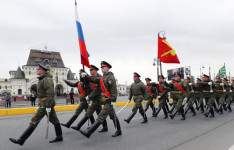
column 32, row 110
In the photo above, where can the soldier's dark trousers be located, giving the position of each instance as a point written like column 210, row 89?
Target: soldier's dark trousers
column 24, row 136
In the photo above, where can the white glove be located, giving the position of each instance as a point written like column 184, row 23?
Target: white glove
column 192, row 91
column 209, row 83
column 83, row 74
column 87, row 98
column 230, row 84
column 158, row 97
column 48, row 110
column 221, row 84
column 37, row 109
column 211, row 91
column 230, row 91
column 224, row 90
column 113, row 103
column 190, row 83
column 129, row 101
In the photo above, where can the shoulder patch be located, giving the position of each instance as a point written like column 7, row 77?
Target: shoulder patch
column 109, row 81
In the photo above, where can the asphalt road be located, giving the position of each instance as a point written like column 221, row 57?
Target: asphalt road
column 195, row 133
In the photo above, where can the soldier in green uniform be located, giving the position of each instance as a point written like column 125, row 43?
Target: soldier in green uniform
column 163, row 89
column 45, row 93
column 208, row 93
column 191, row 95
column 229, row 94
column 150, row 94
column 84, row 90
column 138, row 92
column 95, row 102
column 220, row 94
column 108, row 89
column 178, row 94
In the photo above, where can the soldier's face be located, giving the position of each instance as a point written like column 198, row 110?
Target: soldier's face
column 135, row 78
column 105, row 69
column 161, row 79
column 187, row 81
column 40, row 72
column 147, row 82
column 93, row 72
column 232, row 81
column 198, row 81
column 205, row 79
column 177, row 77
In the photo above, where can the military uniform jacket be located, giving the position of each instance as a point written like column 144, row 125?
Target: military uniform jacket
column 137, row 89
column 206, row 89
column 45, row 91
column 152, row 87
column 189, row 90
column 109, row 83
column 218, row 89
column 94, row 97
column 197, row 89
column 175, row 91
column 166, row 88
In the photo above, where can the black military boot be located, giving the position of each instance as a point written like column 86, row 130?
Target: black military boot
column 92, row 128
column 154, row 110
column 165, row 113
column 202, row 108
column 186, row 110
column 229, row 108
column 24, row 136
column 225, row 107
column 216, row 109
column 182, row 114
column 207, row 112
column 146, row 109
column 167, row 107
column 117, row 125
column 145, row 118
column 172, row 109
column 80, row 124
column 92, row 120
column 58, row 131
column 130, row 117
column 68, row 124
column 211, row 113
column 157, row 112
column 220, row 109
column 105, row 128
column 172, row 115
column 196, row 104
column 193, row 111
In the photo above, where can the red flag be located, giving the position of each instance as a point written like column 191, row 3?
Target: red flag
column 166, row 53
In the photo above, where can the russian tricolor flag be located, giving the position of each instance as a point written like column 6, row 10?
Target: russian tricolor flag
column 83, row 51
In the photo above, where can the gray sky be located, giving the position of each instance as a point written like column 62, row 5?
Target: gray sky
column 122, row 32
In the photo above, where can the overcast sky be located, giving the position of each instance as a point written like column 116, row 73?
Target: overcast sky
column 122, row 32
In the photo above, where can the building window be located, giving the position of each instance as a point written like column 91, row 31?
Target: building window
column 63, row 73
column 6, row 87
column 19, row 91
column 0, row 86
column 30, row 72
column 5, row 80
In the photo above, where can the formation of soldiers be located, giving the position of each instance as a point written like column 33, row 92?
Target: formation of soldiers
column 100, row 90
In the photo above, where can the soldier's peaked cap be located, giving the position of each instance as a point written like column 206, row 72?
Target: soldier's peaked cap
column 206, row 76
column 188, row 78
column 93, row 67
column 177, row 74
column 147, row 79
column 225, row 79
column 161, row 76
column 135, row 73
column 82, row 70
column 198, row 79
column 40, row 66
column 104, row 63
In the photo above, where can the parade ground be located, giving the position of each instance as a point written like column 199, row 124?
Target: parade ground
column 195, row 133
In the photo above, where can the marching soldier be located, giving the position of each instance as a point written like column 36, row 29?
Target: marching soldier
column 83, row 90
column 178, row 94
column 138, row 92
column 45, row 93
column 106, row 86
column 190, row 95
column 229, row 94
column 151, row 89
column 96, row 103
column 220, row 94
column 198, row 95
column 163, row 89
column 208, row 94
